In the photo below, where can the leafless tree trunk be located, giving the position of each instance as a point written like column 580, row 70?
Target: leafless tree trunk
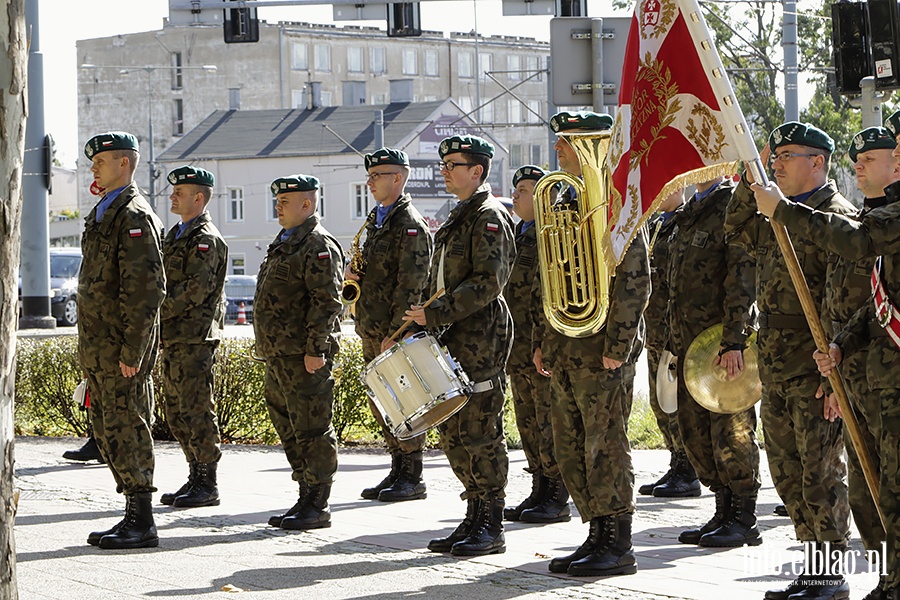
column 13, row 73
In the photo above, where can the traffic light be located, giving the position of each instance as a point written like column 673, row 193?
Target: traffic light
column 241, row 25
column 571, row 8
column 403, row 20
column 884, row 27
column 851, row 45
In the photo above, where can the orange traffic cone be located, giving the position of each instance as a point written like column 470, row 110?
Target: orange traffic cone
column 242, row 315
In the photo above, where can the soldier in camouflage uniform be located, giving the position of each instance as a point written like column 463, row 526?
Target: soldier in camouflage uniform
column 120, row 288
column 396, row 255
column 296, row 322
column 549, row 499
column 191, row 320
column 803, row 447
column 876, row 231
column 474, row 253
column 592, row 384
column 712, row 283
column 680, row 481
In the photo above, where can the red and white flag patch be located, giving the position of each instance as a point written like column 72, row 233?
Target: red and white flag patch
column 412, row 232
column 135, row 233
column 203, row 247
column 323, row 255
column 493, row 227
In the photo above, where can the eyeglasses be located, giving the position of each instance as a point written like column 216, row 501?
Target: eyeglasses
column 786, row 156
column 375, row 176
column 450, row 165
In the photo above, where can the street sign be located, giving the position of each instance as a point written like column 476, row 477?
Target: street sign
column 573, row 51
column 523, row 8
column 364, row 11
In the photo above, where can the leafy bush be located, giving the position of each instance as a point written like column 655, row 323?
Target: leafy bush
column 47, row 374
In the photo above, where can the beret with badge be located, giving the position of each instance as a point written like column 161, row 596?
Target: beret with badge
column 467, row 144
column 892, row 123
column 386, row 156
column 801, row 134
column 194, row 175
column 111, row 140
column 531, row 172
column 294, row 183
column 582, row 120
column 872, row 138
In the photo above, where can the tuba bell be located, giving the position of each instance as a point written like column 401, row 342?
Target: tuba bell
column 571, row 237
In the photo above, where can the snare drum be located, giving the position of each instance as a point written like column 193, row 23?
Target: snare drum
column 416, row 385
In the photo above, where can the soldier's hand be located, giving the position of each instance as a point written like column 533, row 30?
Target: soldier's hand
column 538, row 360
column 732, row 361
column 767, row 198
column 128, row 371
column 611, row 363
column 349, row 274
column 313, row 363
column 387, row 343
column 416, row 314
column 827, row 362
column 831, row 410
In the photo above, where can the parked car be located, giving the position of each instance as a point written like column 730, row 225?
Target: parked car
column 239, row 288
column 64, row 266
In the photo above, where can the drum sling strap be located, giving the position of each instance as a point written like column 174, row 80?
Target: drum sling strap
column 886, row 312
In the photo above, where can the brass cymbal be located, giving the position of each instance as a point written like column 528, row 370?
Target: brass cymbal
column 667, row 382
column 709, row 384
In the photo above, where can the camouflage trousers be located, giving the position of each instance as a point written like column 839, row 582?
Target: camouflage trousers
column 300, row 405
column 806, row 459
column 723, row 449
column 187, row 372
column 590, row 415
column 531, row 402
column 121, row 415
column 667, row 423
column 475, row 445
column 372, row 348
column 889, row 494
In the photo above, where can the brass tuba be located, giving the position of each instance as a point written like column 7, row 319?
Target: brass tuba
column 570, row 240
column 350, row 291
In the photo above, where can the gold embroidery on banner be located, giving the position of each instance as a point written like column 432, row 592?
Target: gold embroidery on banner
column 664, row 105
column 656, row 17
column 702, row 136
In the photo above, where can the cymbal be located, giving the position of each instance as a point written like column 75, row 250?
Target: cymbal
column 667, row 382
column 709, row 384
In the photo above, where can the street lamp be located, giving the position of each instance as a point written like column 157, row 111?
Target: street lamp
column 125, row 70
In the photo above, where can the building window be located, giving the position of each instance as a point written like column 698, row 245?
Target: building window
column 465, row 103
column 178, row 117
column 485, row 64
column 326, row 99
column 362, row 201
column 514, row 66
column 354, row 93
column 533, row 115
column 355, row 59
column 379, row 99
column 235, row 204
column 535, row 66
column 321, row 201
column 298, row 99
column 515, row 156
column 238, row 264
column 465, row 64
column 431, row 63
column 486, row 113
column 514, row 111
column 323, row 58
column 177, row 71
column 273, row 215
column 234, row 98
column 299, row 56
column 376, row 61
column 410, row 61
column 536, row 154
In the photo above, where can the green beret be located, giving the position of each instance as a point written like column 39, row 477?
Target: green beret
column 802, row 134
column 188, row 174
column 893, row 123
column 585, row 120
column 111, row 140
column 531, row 172
column 872, row 138
column 294, row 183
column 386, row 156
column 467, row 144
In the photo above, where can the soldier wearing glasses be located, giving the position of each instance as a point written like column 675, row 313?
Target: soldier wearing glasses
column 396, row 254
column 474, row 252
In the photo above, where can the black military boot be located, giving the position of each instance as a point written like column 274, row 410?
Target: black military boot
column 647, row 488
column 553, row 508
column 614, row 554
column 408, row 485
column 797, row 585
column 879, row 593
column 561, row 564
column 683, row 483
column 825, row 585
column 315, row 512
column 780, row 510
column 371, row 493
column 275, row 520
column 738, row 529
column 204, row 492
column 137, row 529
column 473, row 509
column 89, row 451
column 538, row 489
column 94, row 536
column 723, row 509
column 486, row 535
column 169, row 499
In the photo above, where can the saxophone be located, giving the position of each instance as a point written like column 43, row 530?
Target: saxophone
column 350, row 291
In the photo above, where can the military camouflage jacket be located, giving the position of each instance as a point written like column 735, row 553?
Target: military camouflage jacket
column 877, row 233
column 398, row 256
column 478, row 247
column 518, row 295
column 655, row 314
column 296, row 306
column 194, row 309
column 121, row 285
column 710, row 282
column 622, row 337
column 784, row 352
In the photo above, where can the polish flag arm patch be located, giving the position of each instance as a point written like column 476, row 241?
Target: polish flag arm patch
column 323, row 255
column 493, row 227
column 135, row 233
column 203, row 247
column 412, row 232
